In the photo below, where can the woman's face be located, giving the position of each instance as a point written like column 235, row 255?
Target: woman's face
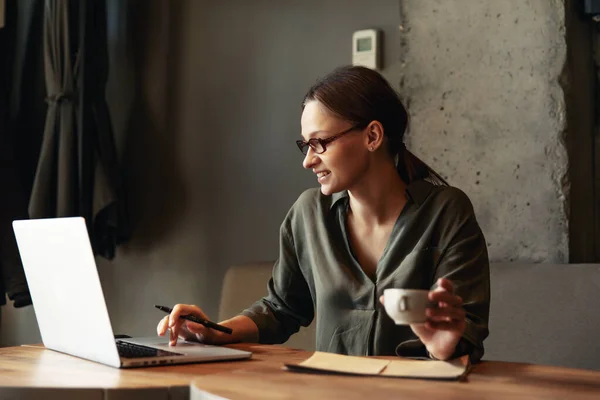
column 344, row 160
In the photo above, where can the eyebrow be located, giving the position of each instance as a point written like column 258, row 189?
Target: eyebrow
column 311, row 134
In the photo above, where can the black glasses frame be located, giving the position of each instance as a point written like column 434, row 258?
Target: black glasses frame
column 318, row 143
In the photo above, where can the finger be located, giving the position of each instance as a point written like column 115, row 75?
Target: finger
column 445, row 314
column 162, row 326
column 202, row 337
column 172, row 337
column 184, row 333
column 176, row 331
column 179, row 331
column 445, row 297
column 457, row 326
column 195, row 328
column 421, row 329
column 381, row 299
column 445, row 284
column 185, row 309
column 197, row 333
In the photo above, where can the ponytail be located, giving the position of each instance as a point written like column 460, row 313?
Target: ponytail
column 411, row 169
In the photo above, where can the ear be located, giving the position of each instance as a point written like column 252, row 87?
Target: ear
column 374, row 136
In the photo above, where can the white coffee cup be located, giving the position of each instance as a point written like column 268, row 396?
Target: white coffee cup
column 407, row 306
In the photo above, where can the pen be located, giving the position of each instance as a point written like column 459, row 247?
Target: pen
column 205, row 322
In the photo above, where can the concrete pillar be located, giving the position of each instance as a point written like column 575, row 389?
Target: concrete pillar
column 481, row 79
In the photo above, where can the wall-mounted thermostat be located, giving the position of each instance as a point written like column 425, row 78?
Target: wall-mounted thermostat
column 365, row 48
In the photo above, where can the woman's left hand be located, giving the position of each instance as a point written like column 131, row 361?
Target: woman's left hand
column 445, row 324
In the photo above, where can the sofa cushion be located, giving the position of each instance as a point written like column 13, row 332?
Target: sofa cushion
column 246, row 283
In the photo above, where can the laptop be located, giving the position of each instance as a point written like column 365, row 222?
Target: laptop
column 69, row 303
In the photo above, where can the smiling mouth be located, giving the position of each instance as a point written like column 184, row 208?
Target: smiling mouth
column 323, row 175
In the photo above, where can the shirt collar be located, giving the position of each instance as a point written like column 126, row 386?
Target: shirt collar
column 417, row 191
column 338, row 197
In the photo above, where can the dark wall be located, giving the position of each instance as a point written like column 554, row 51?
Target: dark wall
column 211, row 163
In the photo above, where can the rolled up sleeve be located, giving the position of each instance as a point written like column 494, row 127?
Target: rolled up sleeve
column 464, row 261
column 288, row 304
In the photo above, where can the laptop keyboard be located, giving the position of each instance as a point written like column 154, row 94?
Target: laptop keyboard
column 131, row 350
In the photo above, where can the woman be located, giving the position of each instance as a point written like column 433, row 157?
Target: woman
column 381, row 219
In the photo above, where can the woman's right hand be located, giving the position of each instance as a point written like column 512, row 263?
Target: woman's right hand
column 183, row 329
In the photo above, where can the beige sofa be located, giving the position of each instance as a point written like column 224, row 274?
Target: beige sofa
column 540, row 313
column 545, row 314
column 246, row 283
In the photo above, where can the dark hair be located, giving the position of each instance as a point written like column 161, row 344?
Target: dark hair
column 360, row 96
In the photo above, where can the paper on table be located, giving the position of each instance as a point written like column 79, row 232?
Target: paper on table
column 345, row 364
column 397, row 367
column 430, row 369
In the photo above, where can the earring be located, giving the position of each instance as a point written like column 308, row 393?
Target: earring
column 371, row 148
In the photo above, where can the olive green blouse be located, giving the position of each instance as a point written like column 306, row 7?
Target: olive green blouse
column 317, row 276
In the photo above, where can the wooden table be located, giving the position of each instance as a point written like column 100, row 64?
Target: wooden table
column 34, row 372
column 487, row 380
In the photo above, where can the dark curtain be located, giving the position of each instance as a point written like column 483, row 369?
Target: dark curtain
column 77, row 172
column 13, row 197
column 57, row 155
column 55, row 192
column 103, row 194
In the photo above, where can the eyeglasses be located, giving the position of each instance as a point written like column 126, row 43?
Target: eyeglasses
column 320, row 145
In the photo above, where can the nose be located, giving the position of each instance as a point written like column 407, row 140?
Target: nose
column 310, row 159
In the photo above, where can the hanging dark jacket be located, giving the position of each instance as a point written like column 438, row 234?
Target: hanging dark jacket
column 13, row 205
column 13, row 199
